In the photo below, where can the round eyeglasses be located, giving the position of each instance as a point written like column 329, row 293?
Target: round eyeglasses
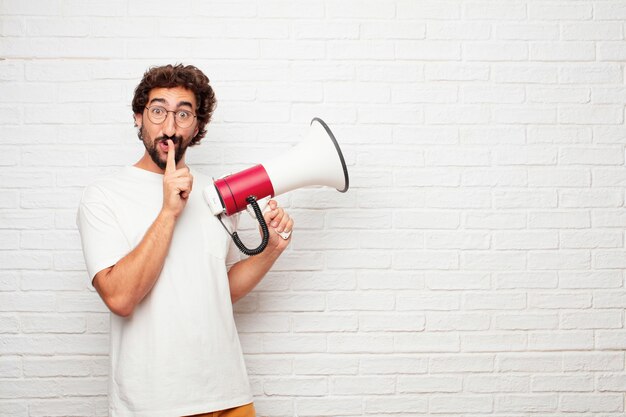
column 182, row 118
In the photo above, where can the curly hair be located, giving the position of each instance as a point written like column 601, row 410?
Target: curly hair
column 179, row 75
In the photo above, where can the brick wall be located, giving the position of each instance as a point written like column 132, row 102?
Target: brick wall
column 475, row 267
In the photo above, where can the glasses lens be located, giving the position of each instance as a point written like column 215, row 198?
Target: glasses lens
column 184, row 118
column 157, row 114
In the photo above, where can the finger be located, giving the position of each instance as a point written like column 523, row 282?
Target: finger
column 171, row 153
column 283, row 223
column 278, row 217
column 273, row 204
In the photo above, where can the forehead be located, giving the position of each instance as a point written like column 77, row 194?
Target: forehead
column 172, row 97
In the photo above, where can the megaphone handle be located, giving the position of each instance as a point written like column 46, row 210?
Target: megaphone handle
column 265, row 234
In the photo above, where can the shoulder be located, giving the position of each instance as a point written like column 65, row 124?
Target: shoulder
column 99, row 190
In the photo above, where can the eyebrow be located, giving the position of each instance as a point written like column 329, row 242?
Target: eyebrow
column 162, row 100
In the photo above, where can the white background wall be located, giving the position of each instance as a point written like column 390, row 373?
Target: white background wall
column 475, row 267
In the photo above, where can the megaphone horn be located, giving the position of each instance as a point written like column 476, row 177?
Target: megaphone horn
column 315, row 161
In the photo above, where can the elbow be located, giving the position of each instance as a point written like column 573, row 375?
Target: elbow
column 119, row 306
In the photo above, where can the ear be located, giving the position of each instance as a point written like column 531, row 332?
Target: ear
column 138, row 119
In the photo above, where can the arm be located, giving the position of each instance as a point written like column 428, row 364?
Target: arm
column 125, row 284
column 246, row 274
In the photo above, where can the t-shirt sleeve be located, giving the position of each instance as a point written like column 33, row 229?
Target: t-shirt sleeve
column 234, row 254
column 102, row 240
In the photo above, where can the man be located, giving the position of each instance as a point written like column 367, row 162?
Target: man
column 164, row 265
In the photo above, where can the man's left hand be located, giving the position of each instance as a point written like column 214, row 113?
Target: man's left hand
column 278, row 221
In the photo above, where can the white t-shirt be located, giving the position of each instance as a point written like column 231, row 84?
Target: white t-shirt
column 179, row 352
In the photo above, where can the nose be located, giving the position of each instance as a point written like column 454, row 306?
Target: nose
column 169, row 125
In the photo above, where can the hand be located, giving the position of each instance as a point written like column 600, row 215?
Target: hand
column 278, row 221
column 177, row 184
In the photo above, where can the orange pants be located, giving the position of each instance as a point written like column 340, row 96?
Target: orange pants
column 243, row 411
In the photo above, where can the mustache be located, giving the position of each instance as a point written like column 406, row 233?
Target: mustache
column 175, row 139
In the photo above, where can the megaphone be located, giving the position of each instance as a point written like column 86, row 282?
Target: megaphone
column 315, row 161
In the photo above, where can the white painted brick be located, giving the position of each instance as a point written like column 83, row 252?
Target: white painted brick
column 429, row 384
column 559, row 219
column 526, row 321
column 608, row 218
column 456, row 322
column 391, row 322
column 457, row 157
column 593, row 361
column 426, row 219
column 451, row 280
column 560, row 134
column 559, row 95
column 497, row 383
column 438, row 260
column 616, row 383
column 424, row 94
column 461, row 404
column 356, row 50
column 428, row 50
column 393, row 365
column 562, row 51
column 495, row 220
column 300, row 343
column 610, row 299
column 495, row 51
column 495, row 342
column 11, row 367
column 560, row 340
column 524, row 74
column 494, row 301
column 326, row 365
column 360, row 301
column 328, row 280
column 429, row 9
column 561, row 260
column 559, row 300
column 610, row 340
column 462, row 363
column 427, row 342
column 31, row 323
column 503, row 177
column 526, row 240
column 329, row 407
column 458, row 30
column 598, row 114
column 529, row 362
column 492, row 94
column 458, row 198
column 526, row 403
column 493, row 261
column 397, row 404
column 300, row 386
column 594, row 198
column 611, row 10
column 453, row 71
column 362, row 385
column 511, row 280
column 536, row 198
column 595, row 279
column 592, row 402
column 605, row 319
column 437, row 301
column 456, row 240
column 457, row 114
column 527, row 31
column 360, row 343
column 324, row 323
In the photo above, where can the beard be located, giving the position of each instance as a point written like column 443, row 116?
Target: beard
column 152, row 147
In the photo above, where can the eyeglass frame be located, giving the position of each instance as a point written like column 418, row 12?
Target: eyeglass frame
column 167, row 112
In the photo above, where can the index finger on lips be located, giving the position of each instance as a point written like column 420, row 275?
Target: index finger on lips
column 171, row 153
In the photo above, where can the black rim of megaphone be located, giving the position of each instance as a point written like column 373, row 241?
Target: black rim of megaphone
column 343, row 162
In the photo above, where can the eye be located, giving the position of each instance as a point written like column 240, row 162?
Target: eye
column 183, row 114
column 157, row 111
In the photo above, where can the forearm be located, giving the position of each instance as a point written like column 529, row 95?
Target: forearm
column 246, row 274
column 123, row 286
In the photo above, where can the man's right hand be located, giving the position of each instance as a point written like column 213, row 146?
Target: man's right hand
column 177, row 184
